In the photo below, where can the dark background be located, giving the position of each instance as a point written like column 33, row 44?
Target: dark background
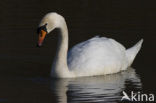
column 127, row 21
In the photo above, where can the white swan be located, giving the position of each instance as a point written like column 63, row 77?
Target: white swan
column 96, row 56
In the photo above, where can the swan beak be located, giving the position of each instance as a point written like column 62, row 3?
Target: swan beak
column 41, row 37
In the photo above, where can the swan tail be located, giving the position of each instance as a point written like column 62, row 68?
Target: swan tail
column 133, row 51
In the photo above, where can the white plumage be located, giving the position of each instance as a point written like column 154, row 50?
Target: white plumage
column 96, row 56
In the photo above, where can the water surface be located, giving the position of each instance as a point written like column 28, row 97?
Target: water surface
column 106, row 89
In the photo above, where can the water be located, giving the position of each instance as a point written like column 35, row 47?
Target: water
column 88, row 89
column 95, row 89
column 25, row 69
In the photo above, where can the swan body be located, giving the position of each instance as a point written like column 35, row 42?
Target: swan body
column 96, row 56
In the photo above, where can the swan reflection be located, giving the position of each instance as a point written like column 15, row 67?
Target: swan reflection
column 95, row 89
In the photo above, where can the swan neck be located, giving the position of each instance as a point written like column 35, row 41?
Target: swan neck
column 60, row 67
column 63, row 43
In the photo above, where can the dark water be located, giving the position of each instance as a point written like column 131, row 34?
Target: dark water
column 24, row 69
column 89, row 89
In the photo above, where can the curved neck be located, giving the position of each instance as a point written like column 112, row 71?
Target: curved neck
column 60, row 67
column 62, row 48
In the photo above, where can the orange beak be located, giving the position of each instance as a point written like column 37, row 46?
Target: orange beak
column 41, row 37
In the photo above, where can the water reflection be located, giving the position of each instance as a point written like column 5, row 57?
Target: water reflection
column 95, row 89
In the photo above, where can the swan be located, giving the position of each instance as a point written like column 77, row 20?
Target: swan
column 96, row 56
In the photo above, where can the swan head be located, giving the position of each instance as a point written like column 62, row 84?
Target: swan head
column 48, row 23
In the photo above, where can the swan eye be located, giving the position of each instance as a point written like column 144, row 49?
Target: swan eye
column 42, row 28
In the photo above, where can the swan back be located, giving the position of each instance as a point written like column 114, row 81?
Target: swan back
column 97, row 56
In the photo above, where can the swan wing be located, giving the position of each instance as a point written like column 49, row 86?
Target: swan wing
column 97, row 56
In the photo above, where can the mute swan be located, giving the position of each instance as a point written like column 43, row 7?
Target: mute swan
column 96, row 56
